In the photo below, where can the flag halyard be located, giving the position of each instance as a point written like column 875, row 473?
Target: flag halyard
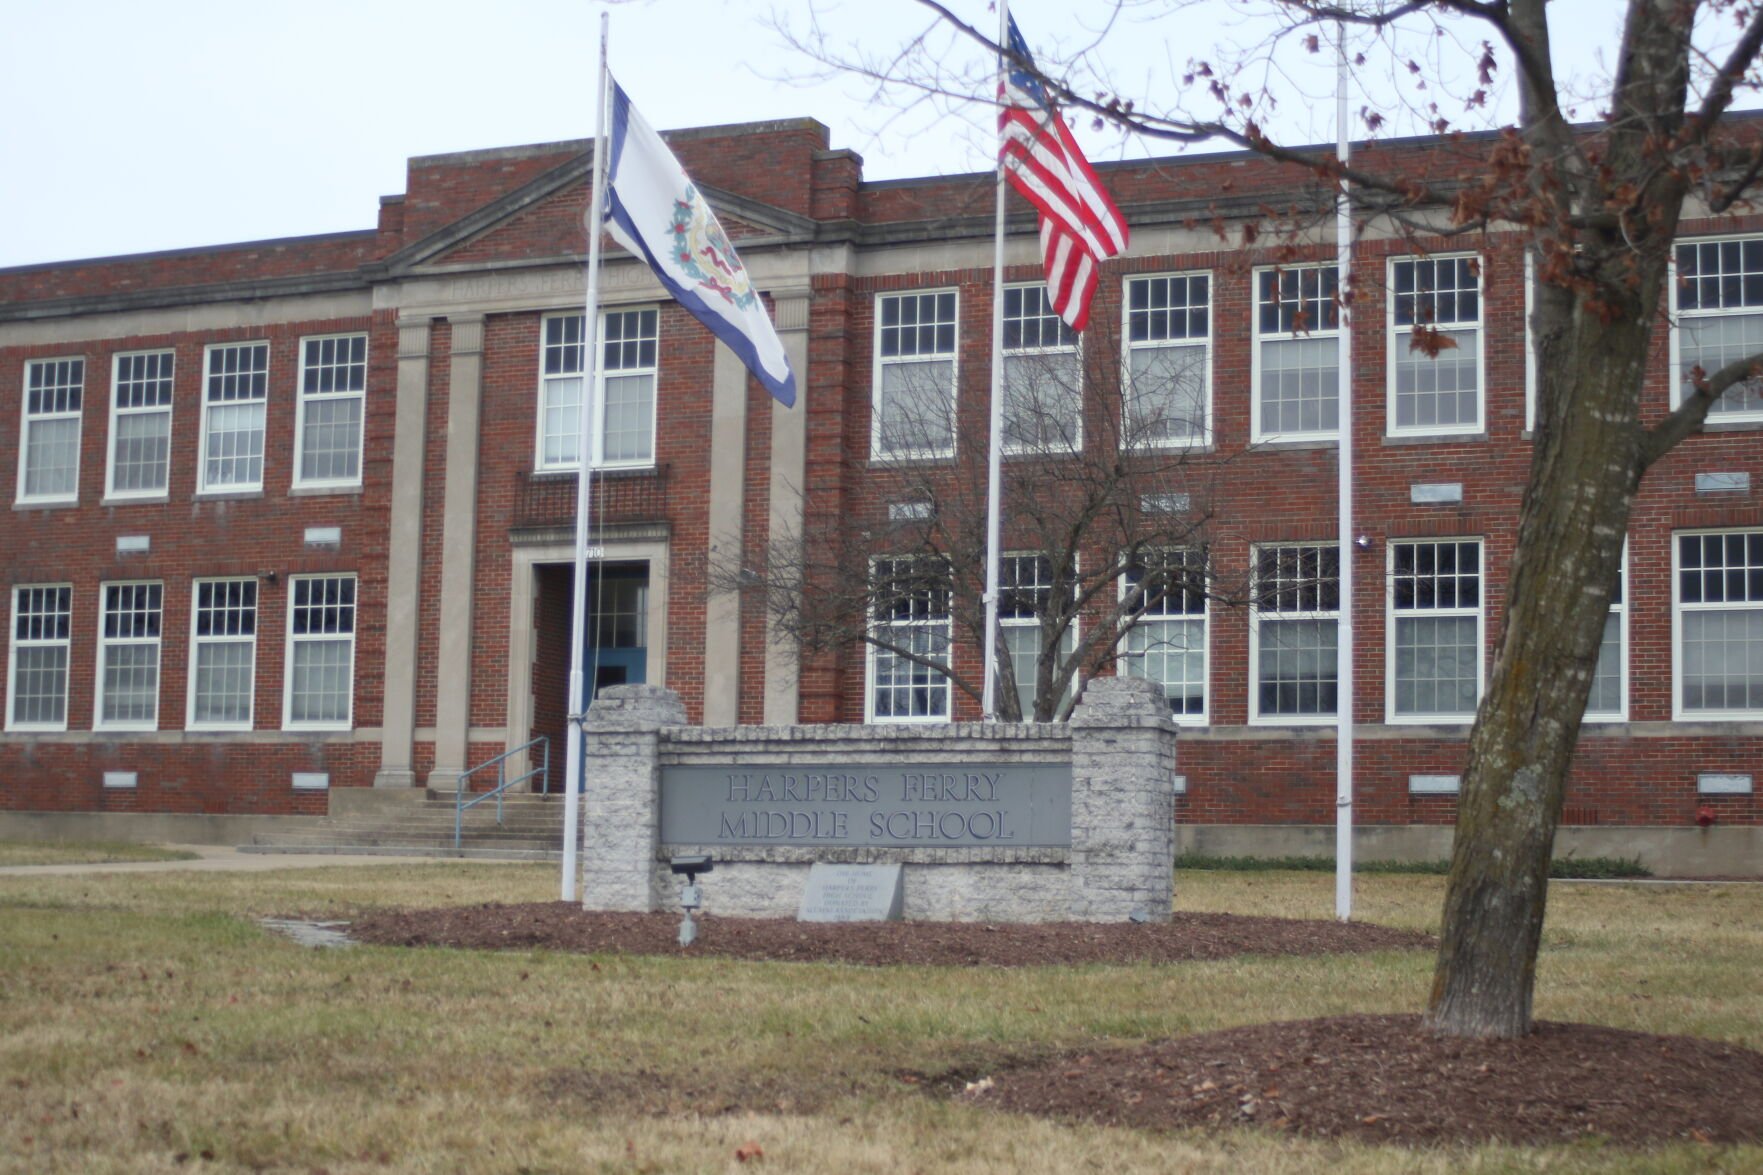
column 654, row 210
column 1080, row 226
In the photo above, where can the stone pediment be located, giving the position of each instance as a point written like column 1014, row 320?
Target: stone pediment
column 542, row 222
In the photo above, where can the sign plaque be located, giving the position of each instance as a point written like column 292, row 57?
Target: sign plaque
column 851, row 893
column 847, row 805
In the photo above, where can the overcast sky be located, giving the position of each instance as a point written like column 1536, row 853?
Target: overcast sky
column 133, row 126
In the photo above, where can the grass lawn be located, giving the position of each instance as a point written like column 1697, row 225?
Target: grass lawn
column 147, row 1023
column 84, row 852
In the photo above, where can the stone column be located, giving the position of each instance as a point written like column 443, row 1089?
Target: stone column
column 621, row 796
column 789, row 470
column 1122, row 802
column 458, row 554
column 404, row 561
column 728, row 501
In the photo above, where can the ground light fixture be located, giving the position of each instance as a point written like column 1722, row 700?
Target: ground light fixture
column 690, row 897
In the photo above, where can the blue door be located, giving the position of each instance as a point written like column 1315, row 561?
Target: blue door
column 617, row 648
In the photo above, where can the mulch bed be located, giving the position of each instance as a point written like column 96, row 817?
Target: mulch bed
column 565, row 926
column 1386, row 1079
column 1377, row 1079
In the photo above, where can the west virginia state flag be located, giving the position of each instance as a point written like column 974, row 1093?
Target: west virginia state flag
column 654, row 210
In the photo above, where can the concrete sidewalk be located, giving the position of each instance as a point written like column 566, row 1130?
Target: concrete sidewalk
column 220, row 859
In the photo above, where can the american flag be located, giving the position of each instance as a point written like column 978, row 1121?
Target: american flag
column 1079, row 223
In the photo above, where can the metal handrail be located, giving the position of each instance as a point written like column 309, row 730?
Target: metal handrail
column 503, row 783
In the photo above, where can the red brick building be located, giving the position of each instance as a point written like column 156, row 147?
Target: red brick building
column 295, row 516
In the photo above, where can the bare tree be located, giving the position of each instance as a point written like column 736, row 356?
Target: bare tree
column 1108, row 501
column 1600, row 203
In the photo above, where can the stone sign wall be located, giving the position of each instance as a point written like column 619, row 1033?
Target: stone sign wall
column 1018, row 822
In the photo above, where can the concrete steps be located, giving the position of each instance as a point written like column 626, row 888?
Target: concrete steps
column 420, row 823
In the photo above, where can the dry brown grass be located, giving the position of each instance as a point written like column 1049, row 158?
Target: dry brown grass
column 84, row 852
column 143, row 1018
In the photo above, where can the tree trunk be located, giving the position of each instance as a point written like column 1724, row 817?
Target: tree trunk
column 1585, row 470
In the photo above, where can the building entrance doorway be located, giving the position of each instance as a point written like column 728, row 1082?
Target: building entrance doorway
column 615, row 642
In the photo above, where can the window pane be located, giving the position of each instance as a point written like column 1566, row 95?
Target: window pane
column 1712, row 343
column 52, row 457
column 330, row 449
column 1298, row 672
column 1167, row 395
column 320, row 686
column 1606, row 697
column 1437, row 392
column 131, row 683
column 630, row 419
column 1300, row 385
column 223, row 682
column 39, row 685
column 916, row 410
column 1436, row 665
column 1173, row 654
column 143, row 450
column 235, row 445
column 561, row 405
column 905, row 688
column 1723, row 660
column 1043, row 398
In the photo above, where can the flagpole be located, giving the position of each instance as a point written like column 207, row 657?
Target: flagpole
column 995, row 433
column 1343, row 889
column 586, row 420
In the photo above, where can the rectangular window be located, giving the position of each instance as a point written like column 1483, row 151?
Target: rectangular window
column 910, row 619
column 1719, row 294
column 234, row 398
column 1025, row 594
column 1043, row 376
column 1718, row 620
column 914, row 409
column 1609, row 697
column 1168, row 360
column 128, row 656
column 49, row 442
column 1435, row 345
column 1165, row 596
column 41, row 634
column 333, row 390
column 223, row 654
column 140, row 426
column 320, row 687
column 629, row 346
column 1295, row 632
column 1297, row 353
column 1435, row 630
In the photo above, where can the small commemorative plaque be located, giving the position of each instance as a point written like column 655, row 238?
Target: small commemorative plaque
column 851, row 893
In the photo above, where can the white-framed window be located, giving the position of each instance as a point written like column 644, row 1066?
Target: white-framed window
column 629, row 355
column 1167, row 639
column 1718, row 296
column 1025, row 593
column 223, row 654
column 1168, row 360
column 909, row 618
column 49, row 440
column 235, row 397
column 1530, row 342
column 328, row 415
column 1442, row 393
column 1717, row 624
column 41, row 636
column 319, row 686
column 1297, row 357
column 1608, row 701
column 914, row 396
column 139, row 462
column 1043, row 376
column 1435, row 626
column 128, row 655
column 1294, row 634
